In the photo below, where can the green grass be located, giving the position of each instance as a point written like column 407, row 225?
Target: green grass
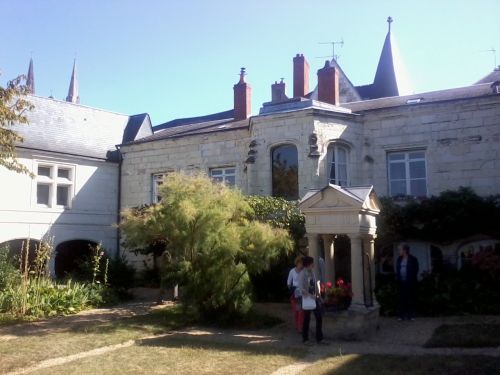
column 63, row 337
column 355, row 364
column 465, row 336
column 183, row 356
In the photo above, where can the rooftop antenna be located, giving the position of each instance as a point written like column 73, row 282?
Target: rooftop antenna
column 494, row 52
column 334, row 56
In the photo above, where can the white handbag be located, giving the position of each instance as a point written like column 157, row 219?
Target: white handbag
column 308, row 303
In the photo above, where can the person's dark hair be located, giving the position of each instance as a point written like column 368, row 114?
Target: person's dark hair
column 307, row 261
column 406, row 248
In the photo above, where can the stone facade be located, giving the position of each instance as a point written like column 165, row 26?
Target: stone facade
column 458, row 132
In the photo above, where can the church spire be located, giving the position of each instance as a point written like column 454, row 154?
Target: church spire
column 390, row 78
column 30, row 79
column 73, row 95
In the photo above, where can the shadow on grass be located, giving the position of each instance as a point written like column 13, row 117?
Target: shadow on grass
column 408, row 365
column 210, row 340
column 154, row 322
column 465, row 336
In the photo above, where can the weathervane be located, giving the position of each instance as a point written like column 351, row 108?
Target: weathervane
column 334, row 56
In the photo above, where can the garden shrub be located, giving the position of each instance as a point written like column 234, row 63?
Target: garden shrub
column 447, row 218
column 270, row 285
column 211, row 243
column 31, row 293
column 9, row 275
column 471, row 290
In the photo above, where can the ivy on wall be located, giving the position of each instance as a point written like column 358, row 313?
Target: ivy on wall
column 442, row 219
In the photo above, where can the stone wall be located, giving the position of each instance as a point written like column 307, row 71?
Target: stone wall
column 461, row 139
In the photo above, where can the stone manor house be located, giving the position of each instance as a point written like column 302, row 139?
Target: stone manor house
column 90, row 163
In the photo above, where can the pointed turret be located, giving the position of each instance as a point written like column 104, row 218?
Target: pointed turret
column 30, row 79
column 73, row 95
column 390, row 78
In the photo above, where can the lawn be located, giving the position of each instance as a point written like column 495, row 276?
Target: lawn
column 177, row 351
column 465, row 336
column 356, row 364
column 183, row 356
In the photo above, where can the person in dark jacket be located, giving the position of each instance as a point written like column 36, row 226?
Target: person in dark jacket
column 406, row 275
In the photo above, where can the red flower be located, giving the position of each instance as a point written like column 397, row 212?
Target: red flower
column 340, row 282
column 328, row 284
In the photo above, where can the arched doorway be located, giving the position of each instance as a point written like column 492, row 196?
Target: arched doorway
column 70, row 254
column 17, row 250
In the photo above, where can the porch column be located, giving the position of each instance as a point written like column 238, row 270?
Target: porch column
column 329, row 249
column 312, row 245
column 358, row 298
column 369, row 246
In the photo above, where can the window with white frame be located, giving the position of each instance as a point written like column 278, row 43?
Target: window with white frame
column 338, row 155
column 54, row 185
column 407, row 173
column 158, row 179
column 226, row 175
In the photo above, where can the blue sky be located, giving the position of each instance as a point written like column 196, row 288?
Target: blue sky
column 181, row 58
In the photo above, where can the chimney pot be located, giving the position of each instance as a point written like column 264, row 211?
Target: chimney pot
column 242, row 98
column 328, row 84
column 278, row 92
column 300, row 76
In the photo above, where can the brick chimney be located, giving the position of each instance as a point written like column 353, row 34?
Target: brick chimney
column 328, row 84
column 278, row 92
column 300, row 76
column 242, row 98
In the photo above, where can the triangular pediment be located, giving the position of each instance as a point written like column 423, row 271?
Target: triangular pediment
column 336, row 198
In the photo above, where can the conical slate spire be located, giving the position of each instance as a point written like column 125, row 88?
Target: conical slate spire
column 73, row 95
column 30, row 79
column 390, row 78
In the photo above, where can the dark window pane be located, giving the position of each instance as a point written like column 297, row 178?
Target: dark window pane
column 417, row 155
column 42, row 194
column 342, row 155
column 342, row 174
column 230, row 180
column 397, row 171
column 43, row 171
column 62, row 195
column 398, row 188
column 332, row 174
column 285, row 167
column 417, row 169
column 216, row 172
column 396, row 157
column 63, row 173
column 418, row 188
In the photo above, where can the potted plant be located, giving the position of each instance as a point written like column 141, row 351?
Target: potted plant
column 337, row 297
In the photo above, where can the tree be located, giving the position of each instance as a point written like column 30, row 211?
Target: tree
column 211, row 243
column 13, row 105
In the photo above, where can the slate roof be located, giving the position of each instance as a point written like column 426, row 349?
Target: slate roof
column 226, row 115
column 492, row 77
column 348, row 92
column 67, row 128
column 422, row 98
column 197, row 128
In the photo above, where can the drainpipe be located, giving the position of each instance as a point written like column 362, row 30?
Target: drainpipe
column 118, row 219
